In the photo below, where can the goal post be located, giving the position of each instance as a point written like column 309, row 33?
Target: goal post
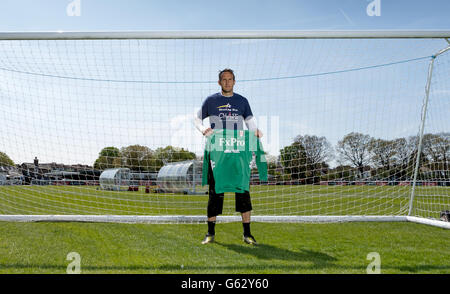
column 422, row 126
column 98, row 126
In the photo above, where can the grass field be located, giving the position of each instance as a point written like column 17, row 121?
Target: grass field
column 267, row 200
column 176, row 248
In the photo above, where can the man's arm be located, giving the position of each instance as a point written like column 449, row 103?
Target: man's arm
column 198, row 122
column 250, row 122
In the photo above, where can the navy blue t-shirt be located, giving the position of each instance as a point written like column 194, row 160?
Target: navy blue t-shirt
column 226, row 112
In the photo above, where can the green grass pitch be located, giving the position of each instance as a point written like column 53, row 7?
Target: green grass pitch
column 176, row 248
column 267, row 200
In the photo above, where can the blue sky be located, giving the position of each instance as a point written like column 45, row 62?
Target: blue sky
column 147, row 108
column 32, row 15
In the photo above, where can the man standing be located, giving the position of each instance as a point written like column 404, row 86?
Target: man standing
column 226, row 110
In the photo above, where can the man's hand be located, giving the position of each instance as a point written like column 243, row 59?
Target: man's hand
column 208, row 132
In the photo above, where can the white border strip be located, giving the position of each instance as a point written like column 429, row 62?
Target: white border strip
column 196, row 219
column 284, row 34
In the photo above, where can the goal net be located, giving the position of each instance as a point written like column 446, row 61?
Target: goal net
column 101, row 126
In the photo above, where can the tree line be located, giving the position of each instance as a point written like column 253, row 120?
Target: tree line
column 140, row 158
column 136, row 157
column 307, row 158
column 357, row 154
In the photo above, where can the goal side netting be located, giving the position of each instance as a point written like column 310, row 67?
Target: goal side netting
column 100, row 126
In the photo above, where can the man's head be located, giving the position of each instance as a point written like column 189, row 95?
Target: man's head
column 227, row 81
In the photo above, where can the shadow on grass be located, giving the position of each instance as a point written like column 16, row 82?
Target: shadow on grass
column 269, row 252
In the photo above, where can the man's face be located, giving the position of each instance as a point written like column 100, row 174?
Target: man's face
column 227, row 82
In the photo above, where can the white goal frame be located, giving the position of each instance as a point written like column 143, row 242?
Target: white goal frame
column 285, row 34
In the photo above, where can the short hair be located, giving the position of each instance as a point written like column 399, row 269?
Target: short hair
column 226, row 70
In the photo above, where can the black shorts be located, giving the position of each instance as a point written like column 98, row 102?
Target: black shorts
column 215, row 201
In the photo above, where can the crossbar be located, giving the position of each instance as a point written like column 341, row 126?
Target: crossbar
column 259, row 34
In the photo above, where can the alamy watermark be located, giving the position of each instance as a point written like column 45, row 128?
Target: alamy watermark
column 375, row 266
column 75, row 266
column 74, row 8
column 374, row 8
column 183, row 132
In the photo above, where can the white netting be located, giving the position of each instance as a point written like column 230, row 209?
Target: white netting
column 340, row 119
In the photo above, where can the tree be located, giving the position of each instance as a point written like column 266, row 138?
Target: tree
column 341, row 172
column 406, row 156
column 318, row 151
column 293, row 160
column 404, row 148
column 382, row 153
column 5, row 160
column 354, row 148
column 109, row 157
column 272, row 164
column 173, row 154
column 140, row 159
column 436, row 149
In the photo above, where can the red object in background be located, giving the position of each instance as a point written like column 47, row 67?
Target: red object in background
column 133, row 188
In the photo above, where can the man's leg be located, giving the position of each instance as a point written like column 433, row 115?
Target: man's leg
column 244, row 206
column 246, row 216
column 215, row 207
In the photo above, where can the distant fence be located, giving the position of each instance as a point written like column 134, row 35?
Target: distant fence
column 384, row 183
column 68, row 182
column 36, row 182
column 252, row 182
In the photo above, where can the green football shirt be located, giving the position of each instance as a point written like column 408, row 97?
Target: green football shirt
column 230, row 153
